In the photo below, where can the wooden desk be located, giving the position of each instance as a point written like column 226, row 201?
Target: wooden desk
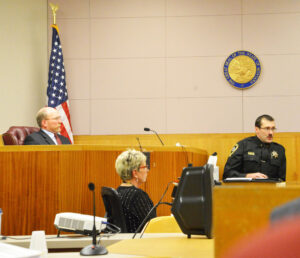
column 37, row 182
column 65, row 242
column 166, row 245
column 241, row 210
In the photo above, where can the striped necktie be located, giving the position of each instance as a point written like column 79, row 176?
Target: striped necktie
column 57, row 139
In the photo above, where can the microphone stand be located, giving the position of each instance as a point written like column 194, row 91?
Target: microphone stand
column 148, row 129
column 93, row 249
column 153, row 208
column 138, row 139
column 186, row 154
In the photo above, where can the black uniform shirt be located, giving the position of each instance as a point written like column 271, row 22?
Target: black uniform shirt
column 251, row 155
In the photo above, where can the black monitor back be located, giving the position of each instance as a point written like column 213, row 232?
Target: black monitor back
column 192, row 206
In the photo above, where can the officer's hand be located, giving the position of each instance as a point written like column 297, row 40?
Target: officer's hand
column 256, row 175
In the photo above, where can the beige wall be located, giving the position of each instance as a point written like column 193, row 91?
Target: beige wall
column 23, row 60
column 155, row 63
column 158, row 63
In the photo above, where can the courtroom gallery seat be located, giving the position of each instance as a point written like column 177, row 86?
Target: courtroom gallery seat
column 113, row 208
column 286, row 211
column 16, row 135
column 162, row 224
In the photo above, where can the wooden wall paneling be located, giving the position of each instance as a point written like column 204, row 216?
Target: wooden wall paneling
column 100, row 168
column 221, row 143
column 161, row 174
column 73, row 182
column 290, row 145
column 9, row 184
column 42, row 170
column 297, row 160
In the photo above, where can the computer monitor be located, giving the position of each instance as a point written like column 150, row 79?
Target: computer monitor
column 192, row 206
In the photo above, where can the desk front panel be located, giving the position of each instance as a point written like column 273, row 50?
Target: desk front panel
column 239, row 211
column 37, row 183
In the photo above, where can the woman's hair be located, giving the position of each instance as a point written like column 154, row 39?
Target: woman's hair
column 128, row 161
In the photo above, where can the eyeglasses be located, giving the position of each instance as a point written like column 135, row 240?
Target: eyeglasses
column 144, row 167
column 273, row 129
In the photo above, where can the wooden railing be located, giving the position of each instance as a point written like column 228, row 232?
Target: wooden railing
column 37, row 182
column 221, row 143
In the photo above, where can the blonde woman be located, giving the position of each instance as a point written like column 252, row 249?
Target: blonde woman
column 132, row 168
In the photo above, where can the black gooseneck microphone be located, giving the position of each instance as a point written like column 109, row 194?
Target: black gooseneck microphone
column 151, row 210
column 178, row 144
column 93, row 249
column 146, row 129
column 138, row 139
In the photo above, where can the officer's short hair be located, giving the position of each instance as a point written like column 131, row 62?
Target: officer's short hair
column 258, row 120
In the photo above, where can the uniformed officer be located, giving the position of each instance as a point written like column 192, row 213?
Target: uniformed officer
column 258, row 156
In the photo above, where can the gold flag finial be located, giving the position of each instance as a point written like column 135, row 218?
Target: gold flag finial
column 54, row 8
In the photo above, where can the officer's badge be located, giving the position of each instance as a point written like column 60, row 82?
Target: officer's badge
column 235, row 147
column 251, row 153
column 274, row 154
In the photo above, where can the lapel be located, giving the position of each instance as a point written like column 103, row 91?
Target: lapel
column 47, row 138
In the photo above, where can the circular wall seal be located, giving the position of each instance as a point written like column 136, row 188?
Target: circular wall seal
column 242, row 69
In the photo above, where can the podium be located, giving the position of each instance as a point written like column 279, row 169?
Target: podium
column 37, row 182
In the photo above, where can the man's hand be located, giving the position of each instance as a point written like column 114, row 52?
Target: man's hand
column 256, row 175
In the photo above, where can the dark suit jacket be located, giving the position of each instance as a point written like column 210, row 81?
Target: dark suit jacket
column 41, row 138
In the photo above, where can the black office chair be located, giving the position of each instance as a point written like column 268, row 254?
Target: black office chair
column 113, row 207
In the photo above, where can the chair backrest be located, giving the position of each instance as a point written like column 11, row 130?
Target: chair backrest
column 16, row 135
column 162, row 224
column 288, row 210
column 113, row 207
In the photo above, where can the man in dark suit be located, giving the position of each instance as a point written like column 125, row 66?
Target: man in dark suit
column 49, row 121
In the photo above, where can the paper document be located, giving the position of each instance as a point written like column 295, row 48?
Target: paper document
column 240, row 179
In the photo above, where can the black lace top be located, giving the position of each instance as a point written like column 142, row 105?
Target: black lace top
column 136, row 205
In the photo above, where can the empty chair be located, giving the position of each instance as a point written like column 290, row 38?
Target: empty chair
column 113, row 207
column 16, row 135
column 162, row 224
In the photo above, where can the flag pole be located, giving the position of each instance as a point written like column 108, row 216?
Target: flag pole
column 54, row 8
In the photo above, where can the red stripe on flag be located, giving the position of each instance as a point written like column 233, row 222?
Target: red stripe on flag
column 64, row 132
column 67, row 111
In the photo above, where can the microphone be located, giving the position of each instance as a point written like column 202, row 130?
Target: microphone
column 138, row 139
column 186, row 154
column 93, row 249
column 146, row 129
column 151, row 210
column 146, row 153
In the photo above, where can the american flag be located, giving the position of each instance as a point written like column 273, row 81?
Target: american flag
column 57, row 90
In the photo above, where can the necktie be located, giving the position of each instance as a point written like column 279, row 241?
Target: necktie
column 57, row 139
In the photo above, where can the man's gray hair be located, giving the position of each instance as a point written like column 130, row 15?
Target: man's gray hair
column 41, row 115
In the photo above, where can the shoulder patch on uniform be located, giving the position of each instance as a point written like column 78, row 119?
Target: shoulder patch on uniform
column 233, row 150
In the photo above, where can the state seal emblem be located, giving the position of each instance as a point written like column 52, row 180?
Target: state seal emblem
column 242, row 69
